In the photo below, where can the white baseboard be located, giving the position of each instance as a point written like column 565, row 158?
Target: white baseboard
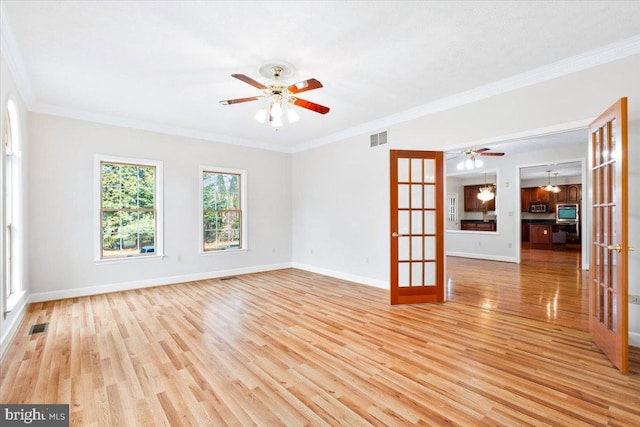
column 482, row 256
column 343, row 276
column 147, row 283
column 634, row 339
column 12, row 329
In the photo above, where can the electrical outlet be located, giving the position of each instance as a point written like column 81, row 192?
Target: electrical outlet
column 634, row 299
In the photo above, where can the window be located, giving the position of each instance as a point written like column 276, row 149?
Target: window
column 129, row 208
column 223, row 201
column 11, row 215
column 452, row 207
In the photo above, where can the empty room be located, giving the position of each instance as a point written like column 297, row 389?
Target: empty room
column 318, row 213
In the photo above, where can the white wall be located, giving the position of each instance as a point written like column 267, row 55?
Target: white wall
column 8, row 90
column 340, row 205
column 61, row 214
column 557, row 104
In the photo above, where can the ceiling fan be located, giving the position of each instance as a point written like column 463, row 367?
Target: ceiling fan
column 472, row 160
column 279, row 96
column 481, row 152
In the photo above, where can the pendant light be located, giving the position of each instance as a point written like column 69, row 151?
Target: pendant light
column 486, row 193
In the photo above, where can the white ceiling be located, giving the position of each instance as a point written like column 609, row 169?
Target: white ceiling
column 164, row 65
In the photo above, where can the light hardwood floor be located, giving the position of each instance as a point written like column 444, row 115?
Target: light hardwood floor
column 546, row 285
column 294, row 348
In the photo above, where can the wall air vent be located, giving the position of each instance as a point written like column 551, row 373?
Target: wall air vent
column 378, row 139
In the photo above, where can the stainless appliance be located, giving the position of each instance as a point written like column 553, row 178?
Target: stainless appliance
column 538, row 208
column 567, row 213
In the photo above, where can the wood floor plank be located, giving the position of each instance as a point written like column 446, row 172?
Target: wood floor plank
column 294, row 348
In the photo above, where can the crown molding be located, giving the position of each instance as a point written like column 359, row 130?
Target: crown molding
column 107, row 119
column 11, row 54
column 590, row 59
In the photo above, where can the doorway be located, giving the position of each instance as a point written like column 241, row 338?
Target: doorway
column 542, row 284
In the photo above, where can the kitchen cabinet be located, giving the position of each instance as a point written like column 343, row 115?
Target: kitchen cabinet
column 524, row 232
column 542, row 196
column 569, row 194
column 473, row 204
column 477, row 225
column 529, row 195
column 573, row 193
column 540, row 236
column 525, row 199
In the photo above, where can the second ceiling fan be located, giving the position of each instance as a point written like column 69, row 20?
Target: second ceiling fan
column 472, row 160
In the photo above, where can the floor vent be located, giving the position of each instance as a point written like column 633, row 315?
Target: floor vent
column 40, row 327
column 228, row 278
column 378, row 139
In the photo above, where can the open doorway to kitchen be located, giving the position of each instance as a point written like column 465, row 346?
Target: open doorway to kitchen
column 507, row 272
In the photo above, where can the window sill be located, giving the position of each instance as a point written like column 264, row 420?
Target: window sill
column 225, row 251
column 13, row 300
column 129, row 259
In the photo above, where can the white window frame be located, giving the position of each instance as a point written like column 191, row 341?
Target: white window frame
column 159, row 205
column 244, row 241
column 12, row 289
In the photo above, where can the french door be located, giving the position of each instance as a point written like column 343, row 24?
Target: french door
column 608, row 305
column 417, row 227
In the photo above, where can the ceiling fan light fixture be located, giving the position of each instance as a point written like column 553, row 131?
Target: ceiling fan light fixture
column 261, row 115
column 277, row 122
column 292, row 116
column 469, row 164
column 276, row 109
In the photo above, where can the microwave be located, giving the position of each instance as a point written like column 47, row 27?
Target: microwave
column 538, row 208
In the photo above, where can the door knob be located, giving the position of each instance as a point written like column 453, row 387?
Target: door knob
column 395, row 234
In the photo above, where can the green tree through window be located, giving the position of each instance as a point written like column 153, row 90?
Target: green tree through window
column 127, row 209
column 222, row 211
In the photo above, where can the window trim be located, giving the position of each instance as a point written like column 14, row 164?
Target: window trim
column 244, row 240
column 12, row 222
column 98, row 159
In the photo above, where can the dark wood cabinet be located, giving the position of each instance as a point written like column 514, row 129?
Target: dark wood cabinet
column 478, row 226
column 525, row 199
column 568, row 194
column 573, row 193
column 473, row 204
column 540, row 236
column 524, row 234
column 542, row 196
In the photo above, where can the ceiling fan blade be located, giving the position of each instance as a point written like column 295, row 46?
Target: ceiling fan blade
column 491, row 154
column 311, row 106
column 304, row 86
column 249, row 80
column 239, row 100
column 480, row 150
